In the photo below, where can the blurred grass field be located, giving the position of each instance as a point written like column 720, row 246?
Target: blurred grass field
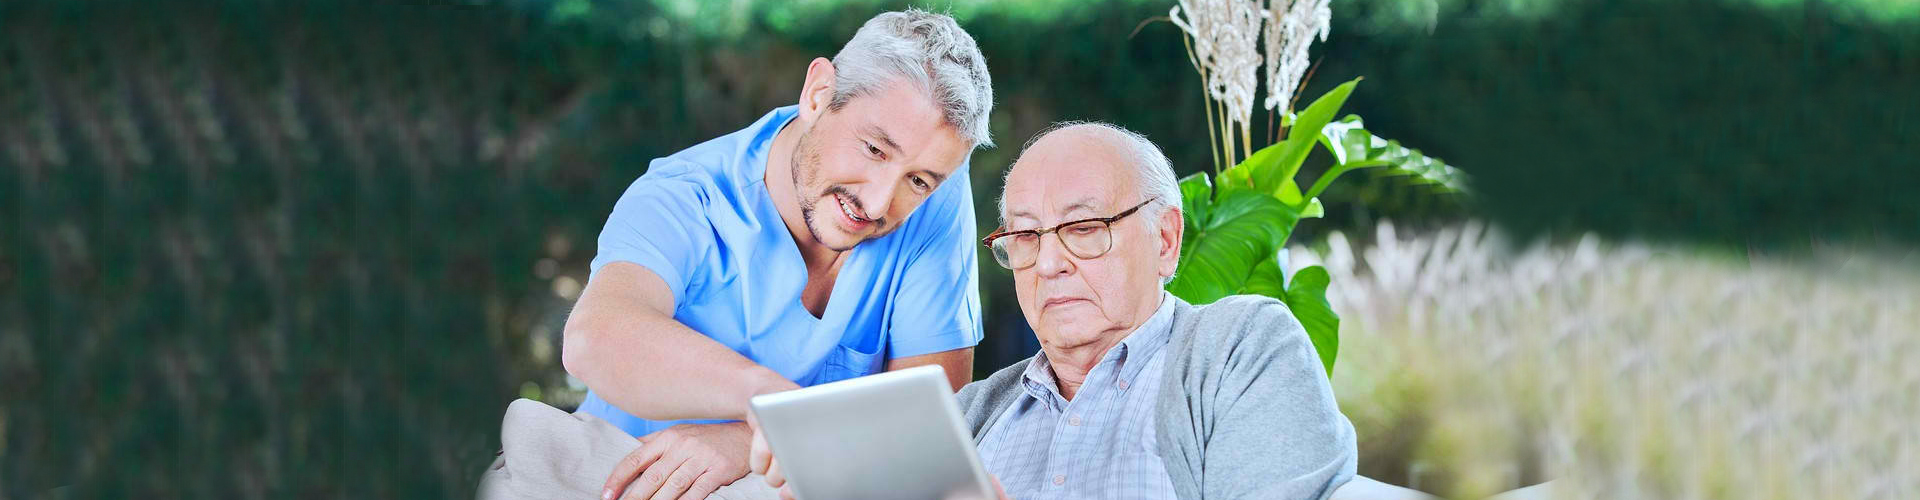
column 1471, row 366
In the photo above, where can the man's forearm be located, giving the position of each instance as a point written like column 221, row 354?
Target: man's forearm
column 658, row 369
column 958, row 363
column 623, row 342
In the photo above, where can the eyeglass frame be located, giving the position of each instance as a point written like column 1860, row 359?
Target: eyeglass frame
column 1107, row 223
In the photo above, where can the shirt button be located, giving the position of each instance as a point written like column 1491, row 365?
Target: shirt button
column 1059, row 480
column 1122, row 384
column 1073, row 421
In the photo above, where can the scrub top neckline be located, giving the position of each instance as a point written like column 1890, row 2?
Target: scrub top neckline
column 838, row 301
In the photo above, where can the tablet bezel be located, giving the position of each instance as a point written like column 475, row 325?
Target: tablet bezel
column 784, row 416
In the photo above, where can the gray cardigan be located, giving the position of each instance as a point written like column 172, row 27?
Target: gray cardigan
column 1245, row 409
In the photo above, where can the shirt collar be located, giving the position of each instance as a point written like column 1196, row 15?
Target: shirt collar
column 1039, row 382
column 759, row 145
column 1144, row 341
column 1130, row 354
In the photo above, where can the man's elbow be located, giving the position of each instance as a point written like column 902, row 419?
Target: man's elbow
column 575, row 353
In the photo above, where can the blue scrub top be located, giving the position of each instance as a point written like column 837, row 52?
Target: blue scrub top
column 703, row 221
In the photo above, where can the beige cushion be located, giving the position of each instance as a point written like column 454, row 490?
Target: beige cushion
column 548, row 453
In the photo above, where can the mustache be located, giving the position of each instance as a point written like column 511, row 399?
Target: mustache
column 853, row 199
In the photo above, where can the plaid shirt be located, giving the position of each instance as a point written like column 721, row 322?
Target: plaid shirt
column 1103, row 443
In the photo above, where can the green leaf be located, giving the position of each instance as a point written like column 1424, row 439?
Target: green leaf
column 1196, row 207
column 1347, row 139
column 1235, row 178
column 1196, row 196
column 1314, row 209
column 1270, row 167
column 1307, row 297
column 1267, row 279
column 1242, row 229
column 1354, row 148
column 1241, row 177
column 1289, row 194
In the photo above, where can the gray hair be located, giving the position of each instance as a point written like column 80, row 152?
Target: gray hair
column 1151, row 169
column 926, row 49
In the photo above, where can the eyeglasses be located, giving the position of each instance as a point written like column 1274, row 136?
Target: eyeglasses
column 1085, row 238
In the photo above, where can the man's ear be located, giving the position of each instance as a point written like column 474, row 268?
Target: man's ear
column 1173, row 227
column 817, row 92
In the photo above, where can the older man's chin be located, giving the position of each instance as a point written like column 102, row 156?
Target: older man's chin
column 1073, row 331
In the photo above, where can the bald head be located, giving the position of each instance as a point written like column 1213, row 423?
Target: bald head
column 1078, row 144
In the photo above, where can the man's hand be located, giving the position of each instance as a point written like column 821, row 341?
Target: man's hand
column 687, row 461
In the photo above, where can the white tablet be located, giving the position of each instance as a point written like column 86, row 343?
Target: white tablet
column 895, row 435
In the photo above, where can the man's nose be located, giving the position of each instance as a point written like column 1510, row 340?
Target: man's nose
column 877, row 195
column 1052, row 258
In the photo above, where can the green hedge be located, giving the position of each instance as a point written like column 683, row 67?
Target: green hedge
column 1696, row 121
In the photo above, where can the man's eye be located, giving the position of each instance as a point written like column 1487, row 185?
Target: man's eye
column 875, row 152
column 921, row 184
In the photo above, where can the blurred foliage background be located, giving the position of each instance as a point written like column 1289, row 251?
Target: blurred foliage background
column 314, row 248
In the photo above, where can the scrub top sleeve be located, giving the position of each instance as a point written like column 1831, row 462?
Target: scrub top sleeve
column 937, row 307
column 661, row 224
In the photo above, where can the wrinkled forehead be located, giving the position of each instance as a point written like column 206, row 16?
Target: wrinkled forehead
column 1068, row 176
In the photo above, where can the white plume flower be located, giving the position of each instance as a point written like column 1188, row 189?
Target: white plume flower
column 1291, row 28
column 1225, row 37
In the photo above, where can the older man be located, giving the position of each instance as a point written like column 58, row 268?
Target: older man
column 1135, row 393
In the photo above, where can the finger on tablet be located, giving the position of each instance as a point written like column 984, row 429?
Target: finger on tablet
column 759, row 456
column 776, row 477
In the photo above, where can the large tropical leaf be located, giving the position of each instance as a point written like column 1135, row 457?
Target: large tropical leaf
column 1307, row 297
column 1355, row 148
column 1267, row 279
column 1196, row 194
column 1272, row 168
column 1240, row 177
column 1240, row 230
